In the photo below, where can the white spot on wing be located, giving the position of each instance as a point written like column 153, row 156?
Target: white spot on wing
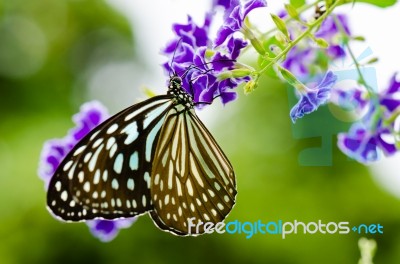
column 110, row 142
column 189, row 187
column 130, row 184
column 93, row 161
column 105, row 175
column 134, row 161
column 86, row 186
column 58, row 186
column 113, row 150
column 79, row 150
column 147, row 179
column 170, row 174
column 64, row 196
column 178, row 186
column 96, row 178
column 132, row 132
column 67, row 165
column 71, row 172
column 144, row 200
column 119, row 160
column 112, row 128
column 226, row 198
column 81, row 176
column 114, row 184
column 97, row 142
column 87, row 157
column 156, row 179
column 94, row 135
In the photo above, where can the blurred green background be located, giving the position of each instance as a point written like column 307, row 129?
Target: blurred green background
column 48, row 50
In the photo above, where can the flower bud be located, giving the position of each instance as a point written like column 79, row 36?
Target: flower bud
column 250, row 86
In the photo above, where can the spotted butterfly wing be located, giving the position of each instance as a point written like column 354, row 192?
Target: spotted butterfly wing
column 156, row 157
column 192, row 180
column 107, row 174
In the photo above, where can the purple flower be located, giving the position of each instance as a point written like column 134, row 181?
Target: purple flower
column 312, row 98
column 364, row 143
column 297, row 60
column 199, row 66
column 373, row 134
column 224, row 3
column 234, row 17
column 302, row 59
column 54, row 150
column 391, row 97
column 329, row 28
column 52, row 154
column 352, row 99
column 107, row 230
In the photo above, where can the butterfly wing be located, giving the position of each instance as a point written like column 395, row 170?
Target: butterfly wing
column 191, row 178
column 107, row 174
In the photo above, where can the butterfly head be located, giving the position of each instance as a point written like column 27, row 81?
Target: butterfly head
column 175, row 83
column 181, row 96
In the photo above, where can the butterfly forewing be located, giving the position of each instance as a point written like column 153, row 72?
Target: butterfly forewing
column 107, row 174
column 191, row 176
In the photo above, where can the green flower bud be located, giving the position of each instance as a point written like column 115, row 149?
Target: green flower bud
column 250, row 86
column 235, row 73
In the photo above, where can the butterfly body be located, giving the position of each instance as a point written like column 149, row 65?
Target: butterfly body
column 155, row 156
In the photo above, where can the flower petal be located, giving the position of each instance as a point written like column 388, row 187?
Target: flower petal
column 107, row 230
column 311, row 99
column 252, row 4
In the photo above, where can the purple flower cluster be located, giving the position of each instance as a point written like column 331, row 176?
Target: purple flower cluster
column 191, row 54
column 373, row 134
column 54, row 151
column 301, row 59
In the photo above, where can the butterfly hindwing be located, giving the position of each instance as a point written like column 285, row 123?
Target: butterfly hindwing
column 107, row 174
column 191, row 176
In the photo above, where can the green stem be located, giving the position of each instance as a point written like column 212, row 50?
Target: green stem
column 303, row 35
column 361, row 80
column 395, row 114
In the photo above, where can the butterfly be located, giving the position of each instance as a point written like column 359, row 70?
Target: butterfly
column 154, row 157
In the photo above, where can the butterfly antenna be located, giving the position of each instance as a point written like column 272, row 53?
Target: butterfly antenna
column 197, row 67
column 173, row 58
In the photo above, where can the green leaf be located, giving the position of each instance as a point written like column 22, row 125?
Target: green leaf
column 379, row 3
column 280, row 24
column 297, row 3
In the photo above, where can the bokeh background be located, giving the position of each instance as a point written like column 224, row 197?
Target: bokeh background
column 56, row 55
